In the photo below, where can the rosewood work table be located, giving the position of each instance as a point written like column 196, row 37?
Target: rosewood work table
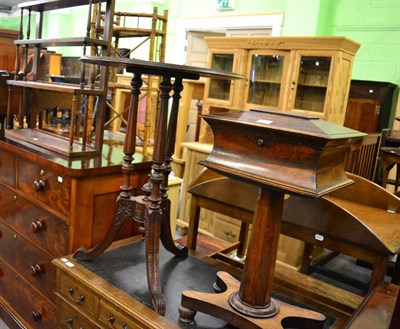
column 151, row 210
column 282, row 153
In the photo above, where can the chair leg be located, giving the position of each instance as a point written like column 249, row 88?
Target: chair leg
column 194, row 220
column 396, row 271
column 396, row 184
column 305, row 264
column 243, row 238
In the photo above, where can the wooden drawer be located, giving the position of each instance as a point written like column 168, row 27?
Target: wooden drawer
column 115, row 319
column 7, row 168
column 68, row 318
column 78, row 295
column 225, row 230
column 33, row 307
column 45, row 186
column 34, row 265
column 36, row 224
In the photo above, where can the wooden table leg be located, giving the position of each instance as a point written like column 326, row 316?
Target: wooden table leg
column 387, row 165
column 248, row 303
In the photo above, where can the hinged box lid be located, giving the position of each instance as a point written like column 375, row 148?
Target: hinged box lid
column 292, row 153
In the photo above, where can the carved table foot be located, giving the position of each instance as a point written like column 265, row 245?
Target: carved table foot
column 126, row 209
column 166, row 234
column 279, row 314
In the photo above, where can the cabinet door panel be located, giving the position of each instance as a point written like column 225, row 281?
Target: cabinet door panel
column 362, row 115
column 223, row 92
column 311, row 81
column 267, row 78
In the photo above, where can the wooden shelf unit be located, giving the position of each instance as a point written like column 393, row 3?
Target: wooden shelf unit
column 87, row 100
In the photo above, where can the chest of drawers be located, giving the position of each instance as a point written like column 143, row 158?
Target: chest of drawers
column 111, row 291
column 49, row 207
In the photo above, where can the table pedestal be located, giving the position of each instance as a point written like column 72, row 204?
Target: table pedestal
column 248, row 303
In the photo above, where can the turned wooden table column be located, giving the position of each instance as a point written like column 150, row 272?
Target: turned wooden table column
column 282, row 153
column 151, row 210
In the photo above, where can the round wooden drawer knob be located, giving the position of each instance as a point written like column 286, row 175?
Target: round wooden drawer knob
column 38, row 185
column 36, row 270
column 36, row 315
column 37, row 226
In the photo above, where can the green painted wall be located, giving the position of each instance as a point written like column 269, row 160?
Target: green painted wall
column 373, row 23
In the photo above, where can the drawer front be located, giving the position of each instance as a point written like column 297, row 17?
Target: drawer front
column 225, row 230
column 45, row 185
column 7, row 204
column 68, row 318
column 78, row 295
column 7, row 168
column 34, row 223
column 34, row 308
column 114, row 319
column 34, row 265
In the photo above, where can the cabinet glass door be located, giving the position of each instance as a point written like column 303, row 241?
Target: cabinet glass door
column 312, row 83
column 220, row 88
column 265, row 79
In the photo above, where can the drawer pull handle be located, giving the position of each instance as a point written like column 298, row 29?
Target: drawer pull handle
column 36, row 270
column 70, row 322
column 37, row 226
column 229, row 234
column 79, row 300
column 260, row 142
column 111, row 319
column 38, row 185
column 36, row 315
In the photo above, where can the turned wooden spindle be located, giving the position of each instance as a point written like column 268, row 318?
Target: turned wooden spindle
column 26, row 49
column 153, row 223
column 17, row 54
column 166, row 236
column 73, row 121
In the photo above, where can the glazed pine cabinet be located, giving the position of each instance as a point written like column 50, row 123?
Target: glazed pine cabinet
column 307, row 75
column 49, row 207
